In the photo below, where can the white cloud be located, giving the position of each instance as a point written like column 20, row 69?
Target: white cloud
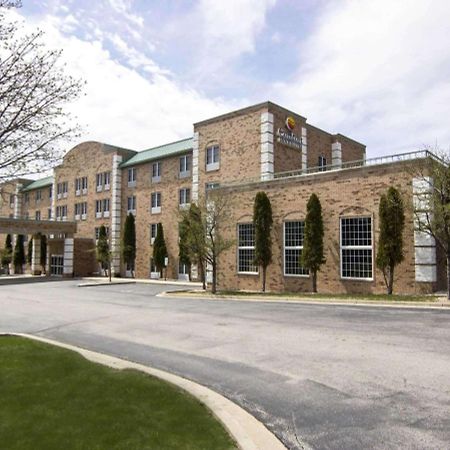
column 377, row 71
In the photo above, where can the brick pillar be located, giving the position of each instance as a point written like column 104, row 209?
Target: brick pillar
column 116, row 214
column 266, row 146
column 304, row 150
column 336, row 155
column 36, row 256
column 68, row 257
column 424, row 244
column 195, row 154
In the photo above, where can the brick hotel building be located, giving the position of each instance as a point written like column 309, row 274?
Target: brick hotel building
column 260, row 148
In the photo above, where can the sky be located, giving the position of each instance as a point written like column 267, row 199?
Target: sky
column 376, row 71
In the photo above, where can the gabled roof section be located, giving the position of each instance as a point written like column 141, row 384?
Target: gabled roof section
column 162, row 151
column 43, row 182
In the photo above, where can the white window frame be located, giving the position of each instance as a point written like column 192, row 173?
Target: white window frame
column 77, row 186
column 153, row 231
column 107, row 180
column 37, row 215
column 77, row 211
column 322, row 164
column 295, row 247
column 214, row 163
column 156, row 172
column 98, row 209
column 184, row 198
column 106, row 207
column 155, row 202
column 99, row 182
column 131, row 210
column 38, row 196
column 65, row 188
column 132, row 177
column 84, row 185
column 244, row 247
column 356, row 247
column 83, row 211
column 185, row 166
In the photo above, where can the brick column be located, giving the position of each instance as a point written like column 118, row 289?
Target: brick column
column 266, row 146
column 336, row 155
column 195, row 153
column 424, row 244
column 36, row 256
column 68, row 257
column 116, row 214
column 304, row 150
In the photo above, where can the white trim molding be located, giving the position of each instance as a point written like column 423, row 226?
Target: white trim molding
column 116, row 211
column 336, row 155
column 195, row 153
column 267, row 159
column 304, row 150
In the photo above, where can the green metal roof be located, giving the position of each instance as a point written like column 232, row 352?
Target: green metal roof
column 162, row 151
column 43, row 182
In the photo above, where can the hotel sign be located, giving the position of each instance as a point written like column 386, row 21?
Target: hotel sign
column 287, row 137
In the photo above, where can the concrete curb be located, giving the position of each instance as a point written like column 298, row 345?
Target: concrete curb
column 144, row 281
column 104, row 283
column 193, row 295
column 248, row 432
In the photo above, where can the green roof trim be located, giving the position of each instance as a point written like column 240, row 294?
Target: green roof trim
column 163, row 151
column 43, row 182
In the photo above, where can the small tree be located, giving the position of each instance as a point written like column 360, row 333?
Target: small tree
column 43, row 259
column 129, row 242
column 312, row 255
column 103, row 252
column 30, row 251
column 7, row 253
column 390, row 241
column 160, row 249
column 19, row 255
column 262, row 221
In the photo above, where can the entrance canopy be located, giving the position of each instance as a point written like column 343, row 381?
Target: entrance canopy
column 28, row 226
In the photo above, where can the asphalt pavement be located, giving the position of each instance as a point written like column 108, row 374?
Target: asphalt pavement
column 318, row 376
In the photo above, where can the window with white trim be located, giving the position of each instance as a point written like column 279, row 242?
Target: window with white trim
column 11, row 200
column 156, row 172
column 49, row 213
column 356, row 248
column 212, row 157
column 107, row 180
column 84, row 185
column 184, row 197
column 156, row 202
column 26, row 197
column 105, row 207
column 246, row 248
column 131, row 205
column 294, row 232
column 98, row 209
column 153, row 231
column 99, row 182
column 61, row 212
column 38, row 196
column 37, row 215
column 50, row 192
column 322, row 163
column 97, row 232
column 132, row 177
column 185, row 166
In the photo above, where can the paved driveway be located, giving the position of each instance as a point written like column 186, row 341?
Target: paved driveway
column 320, row 376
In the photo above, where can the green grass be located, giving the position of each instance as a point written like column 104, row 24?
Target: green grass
column 52, row 398
column 325, row 297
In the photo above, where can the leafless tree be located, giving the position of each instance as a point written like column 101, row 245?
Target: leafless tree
column 33, row 91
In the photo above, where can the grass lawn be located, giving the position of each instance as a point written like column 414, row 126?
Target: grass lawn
column 319, row 296
column 52, row 398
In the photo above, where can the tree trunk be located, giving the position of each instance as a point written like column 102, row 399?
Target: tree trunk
column 264, row 279
column 109, row 269
column 314, row 281
column 214, row 277
column 448, row 275
column 390, row 280
column 202, row 275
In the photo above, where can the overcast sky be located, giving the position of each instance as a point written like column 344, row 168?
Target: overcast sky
column 376, row 71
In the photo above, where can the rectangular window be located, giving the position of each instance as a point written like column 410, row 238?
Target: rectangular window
column 184, row 197
column 78, row 186
column 38, row 196
column 11, row 200
column 98, row 209
column 293, row 246
column 246, row 248
column 61, row 212
column 132, row 177
column 26, row 197
column 83, row 210
column 153, row 229
column 97, row 232
column 131, row 205
column 49, row 213
column 107, row 180
column 156, row 202
column 37, row 215
column 185, row 166
column 84, row 185
column 65, row 188
column 356, row 248
column 322, row 163
column 211, row 186
column 212, row 157
column 156, row 172
column 50, row 192
column 105, row 206
column 99, row 182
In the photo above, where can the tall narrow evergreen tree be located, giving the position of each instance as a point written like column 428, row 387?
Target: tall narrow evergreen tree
column 19, row 255
column 103, row 253
column 7, row 253
column 43, row 260
column 129, row 241
column 30, row 251
column 313, row 255
column 160, row 250
column 262, row 221
column 183, row 242
column 390, row 241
